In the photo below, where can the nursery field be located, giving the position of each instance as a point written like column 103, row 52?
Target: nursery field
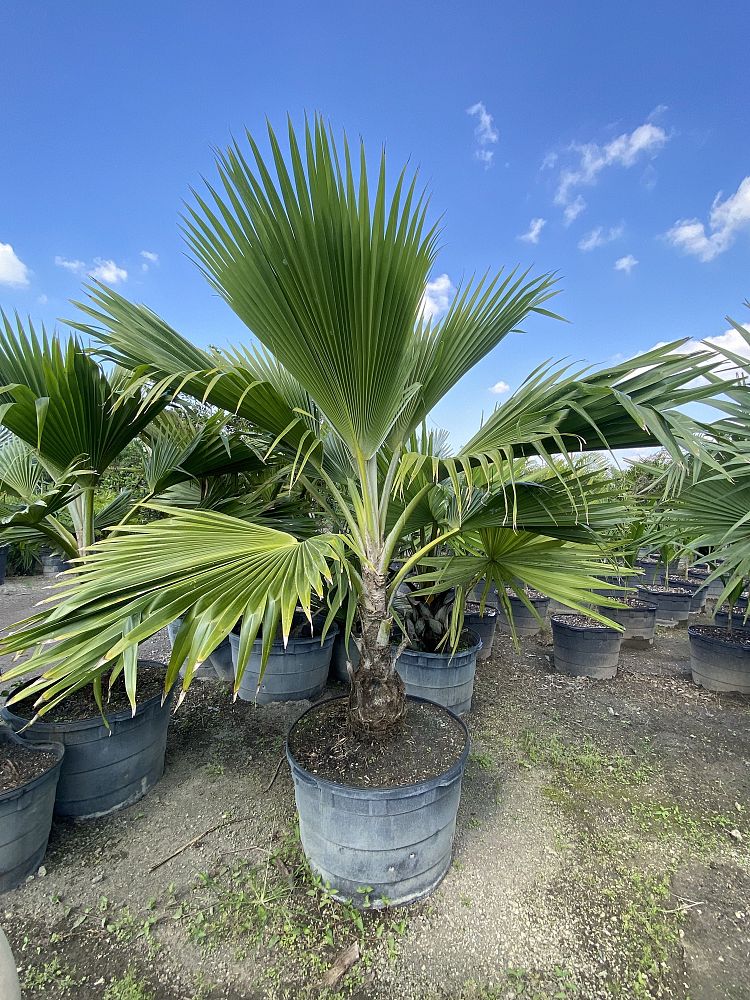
column 602, row 850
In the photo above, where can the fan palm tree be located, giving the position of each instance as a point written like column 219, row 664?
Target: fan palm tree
column 66, row 421
column 329, row 275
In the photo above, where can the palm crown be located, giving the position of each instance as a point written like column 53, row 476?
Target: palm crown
column 330, row 279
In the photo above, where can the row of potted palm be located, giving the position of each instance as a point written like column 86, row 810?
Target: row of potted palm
column 329, row 276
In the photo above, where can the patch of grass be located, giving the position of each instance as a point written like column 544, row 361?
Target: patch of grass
column 583, row 762
column 50, row 975
column 646, row 930
column 279, row 907
column 129, row 987
column 555, row 984
column 482, row 760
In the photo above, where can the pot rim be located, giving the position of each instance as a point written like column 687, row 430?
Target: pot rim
column 278, row 644
column 668, row 592
column 556, row 620
column 647, row 606
column 447, row 656
column 93, row 721
column 58, row 749
column 720, row 639
column 401, row 791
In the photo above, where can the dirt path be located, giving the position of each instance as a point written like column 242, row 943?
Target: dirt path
column 602, row 851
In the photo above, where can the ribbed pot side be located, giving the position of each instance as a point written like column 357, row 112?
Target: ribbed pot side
column 524, row 620
column 26, row 819
column 343, row 654
column 218, row 664
column 585, row 652
column 293, row 674
column 483, row 626
column 105, row 769
column 396, row 841
column 719, row 665
column 446, row 679
column 671, row 609
column 639, row 625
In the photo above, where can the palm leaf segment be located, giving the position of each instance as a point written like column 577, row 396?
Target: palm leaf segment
column 57, row 399
column 206, row 567
column 332, row 285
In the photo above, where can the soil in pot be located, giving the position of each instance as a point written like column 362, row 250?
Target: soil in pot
column 296, row 672
column 721, row 618
column 720, row 661
column 483, row 623
column 584, row 647
column 526, row 623
column 20, row 765
column 28, row 780
column 104, row 769
column 445, row 678
column 672, row 603
column 638, row 619
column 378, row 813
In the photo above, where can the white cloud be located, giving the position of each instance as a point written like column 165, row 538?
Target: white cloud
column 149, row 258
column 485, row 133
column 599, row 237
column 13, row 271
column 626, row 263
column 437, row 297
column 573, row 210
column 108, row 271
column 499, row 388
column 43, row 299
column 726, row 218
column 731, row 340
column 534, row 231
column 590, row 159
column 74, row 266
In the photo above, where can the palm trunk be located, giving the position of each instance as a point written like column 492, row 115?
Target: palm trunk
column 377, row 702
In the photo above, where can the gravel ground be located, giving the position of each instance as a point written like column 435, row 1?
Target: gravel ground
column 601, row 851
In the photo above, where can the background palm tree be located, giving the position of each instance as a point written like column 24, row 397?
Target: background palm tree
column 329, row 276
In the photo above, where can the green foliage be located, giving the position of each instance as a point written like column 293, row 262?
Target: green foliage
column 129, row 987
column 329, row 274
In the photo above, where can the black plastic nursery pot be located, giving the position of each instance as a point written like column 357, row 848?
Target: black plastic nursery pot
column 585, row 649
column 721, row 618
column 482, row 624
column 343, row 654
column 639, row 622
column 105, row 769
column 526, row 623
column 394, row 841
column 26, row 814
column 293, row 673
column 650, row 568
column 446, row 679
column 718, row 661
column 53, row 563
column 672, row 606
column 218, row 664
column 697, row 590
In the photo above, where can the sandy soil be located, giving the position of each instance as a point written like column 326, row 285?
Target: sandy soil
column 602, row 850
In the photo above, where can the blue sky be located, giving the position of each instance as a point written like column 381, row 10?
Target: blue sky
column 626, row 128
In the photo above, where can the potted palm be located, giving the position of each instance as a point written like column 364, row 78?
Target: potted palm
column 329, row 276
column 68, row 421
column 28, row 780
column 673, row 600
